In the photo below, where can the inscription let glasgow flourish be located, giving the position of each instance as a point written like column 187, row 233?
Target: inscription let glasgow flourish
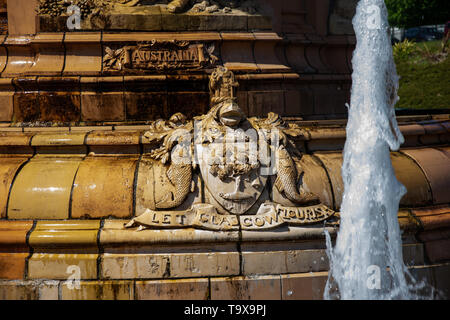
column 204, row 216
column 160, row 56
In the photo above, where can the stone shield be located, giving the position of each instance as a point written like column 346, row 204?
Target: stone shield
column 238, row 190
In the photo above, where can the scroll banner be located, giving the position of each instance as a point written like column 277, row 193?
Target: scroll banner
column 205, row 216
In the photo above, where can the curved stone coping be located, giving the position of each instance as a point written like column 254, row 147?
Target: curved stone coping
column 326, row 135
column 64, row 184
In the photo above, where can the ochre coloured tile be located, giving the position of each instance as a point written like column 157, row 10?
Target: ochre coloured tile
column 59, row 106
column 104, row 187
column 288, row 261
column 432, row 218
column 98, row 290
column 83, row 53
column 182, row 289
column 71, row 234
column 175, row 265
column 304, row 286
column 243, row 288
column 333, row 164
column 18, row 290
column 8, row 169
column 107, row 106
column 12, row 265
column 7, row 103
column 13, row 248
column 412, row 177
column 42, row 189
column 58, row 139
column 436, row 166
column 61, row 265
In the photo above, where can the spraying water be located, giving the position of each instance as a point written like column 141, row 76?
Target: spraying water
column 367, row 261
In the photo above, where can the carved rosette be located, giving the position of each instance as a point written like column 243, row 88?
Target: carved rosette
column 235, row 157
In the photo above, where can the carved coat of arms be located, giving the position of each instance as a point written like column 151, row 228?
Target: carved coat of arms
column 236, row 157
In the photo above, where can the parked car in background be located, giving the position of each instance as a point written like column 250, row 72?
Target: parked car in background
column 447, row 28
column 421, row 34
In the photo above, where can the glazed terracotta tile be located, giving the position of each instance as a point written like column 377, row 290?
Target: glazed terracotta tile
column 304, row 286
column 18, row 290
column 291, row 233
column 267, row 261
column 266, row 57
column 60, row 245
column 26, row 107
column 22, row 17
column 261, row 103
column 107, row 106
column 13, row 248
column 59, row 266
column 87, row 129
column 58, row 139
column 333, row 164
column 49, row 290
column 298, row 102
column 6, row 96
column 189, row 103
column 50, row 53
column 104, row 187
column 438, row 250
column 10, row 139
column 432, row 218
column 83, row 53
column 12, row 265
column 146, row 105
column 59, row 106
column 42, row 189
column 98, row 290
column 242, row 288
column 28, row 290
column 8, row 170
column 237, row 51
column 182, row 289
column 436, row 166
column 412, row 177
column 72, row 234
column 3, row 57
column 169, row 265
column 103, row 138
column 20, row 56
column 114, row 237
column 408, row 223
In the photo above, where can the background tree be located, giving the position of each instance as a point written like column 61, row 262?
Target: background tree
column 413, row 13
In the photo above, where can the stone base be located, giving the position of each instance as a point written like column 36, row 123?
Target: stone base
column 296, row 286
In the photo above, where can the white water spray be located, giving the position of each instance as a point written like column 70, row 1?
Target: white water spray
column 367, row 261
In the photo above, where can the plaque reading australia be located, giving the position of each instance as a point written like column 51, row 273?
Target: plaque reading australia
column 160, row 56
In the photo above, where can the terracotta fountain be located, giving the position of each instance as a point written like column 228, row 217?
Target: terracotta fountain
column 190, row 149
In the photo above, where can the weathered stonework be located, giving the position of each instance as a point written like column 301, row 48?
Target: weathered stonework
column 235, row 156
